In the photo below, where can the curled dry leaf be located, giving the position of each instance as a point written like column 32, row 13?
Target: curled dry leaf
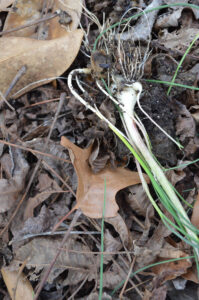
column 43, row 59
column 195, row 214
column 18, row 282
column 11, row 188
column 139, row 201
column 90, row 190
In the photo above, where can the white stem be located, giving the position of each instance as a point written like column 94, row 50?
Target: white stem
column 129, row 97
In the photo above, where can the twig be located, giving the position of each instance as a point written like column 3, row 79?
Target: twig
column 76, row 290
column 35, row 151
column 127, row 278
column 74, row 220
column 19, row 74
column 30, row 24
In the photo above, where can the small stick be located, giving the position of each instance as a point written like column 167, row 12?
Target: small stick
column 30, row 24
column 127, row 278
column 19, row 74
column 35, row 151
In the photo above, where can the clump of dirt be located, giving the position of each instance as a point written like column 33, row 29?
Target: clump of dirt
column 159, row 107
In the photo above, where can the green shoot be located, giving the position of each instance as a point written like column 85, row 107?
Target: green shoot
column 181, row 61
column 102, row 244
column 173, row 84
column 140, row 14
column 148, row 267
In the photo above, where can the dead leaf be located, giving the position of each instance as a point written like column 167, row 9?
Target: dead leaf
column 74, row 255
column 185, row 125
column 143, row 27
column 120, row 226
column 113, row 276
column 192, row 274
column 14, row 280
column 28, row 11
column 139, row 202
column 177, row 175
column 195, row 213
column 90, row 190
column 156, row 294
column 46, row 187
column 195, row 112
column 171, row 270
column 43, row 59
column 5, row 3
column 11, row 188
column 168, row 19
column 178, row 40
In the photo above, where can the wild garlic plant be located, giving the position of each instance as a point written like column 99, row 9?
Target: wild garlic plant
column 125, row 90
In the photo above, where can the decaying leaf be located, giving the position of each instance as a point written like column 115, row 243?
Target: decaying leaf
column 139, row 202
column 171, row 270
column 113, row 276
column 74, row 255
column 178, row 40
column 10, row 188
column 90, row 190
column 120, row 226
column 195, row 214
column 17, row 284
column 195, row 112
column 43, row 59
column 46, row 187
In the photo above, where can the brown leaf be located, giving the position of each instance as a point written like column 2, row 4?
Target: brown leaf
column 11, row 188
column 195, row 214
column 90, row 190
column 74, row 255
column 178, row 40
column 171, row 270
column 28, row 11
column 46, row 187
column 139, row 202
column 191, row 274
column 120, row 226
column 14, row 280
column 43, row 59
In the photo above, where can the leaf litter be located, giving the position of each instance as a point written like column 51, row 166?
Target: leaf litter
column 132, row 228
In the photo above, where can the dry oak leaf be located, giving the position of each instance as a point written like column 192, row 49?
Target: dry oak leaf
column 43, row 59
column 90, row 190
column 17, row 284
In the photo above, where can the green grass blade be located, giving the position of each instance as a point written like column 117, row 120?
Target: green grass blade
column 182, row 165
column 148, row 267
column 173, row 84
column 102, row 244
column 181, row 61
column 140, row 14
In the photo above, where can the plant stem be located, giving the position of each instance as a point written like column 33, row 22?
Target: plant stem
column 128, row 98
